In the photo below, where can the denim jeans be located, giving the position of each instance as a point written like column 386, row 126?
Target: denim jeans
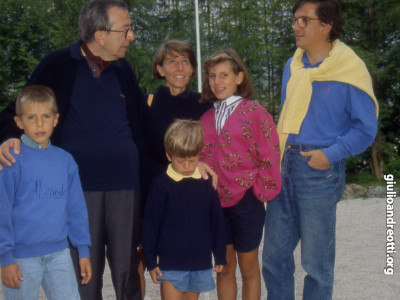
column 304, row 210
column 54, row 272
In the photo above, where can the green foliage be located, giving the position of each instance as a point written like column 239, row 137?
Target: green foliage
column 364, row 178
column 22, row 38
column 28, row 31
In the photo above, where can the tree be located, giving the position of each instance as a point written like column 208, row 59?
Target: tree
column 373, row 31
column 28, row 31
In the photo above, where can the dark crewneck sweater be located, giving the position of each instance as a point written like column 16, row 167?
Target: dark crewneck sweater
column 183, row 225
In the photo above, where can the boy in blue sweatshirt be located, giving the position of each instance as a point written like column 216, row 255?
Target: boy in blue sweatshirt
column 41, row 208
column 183, row 221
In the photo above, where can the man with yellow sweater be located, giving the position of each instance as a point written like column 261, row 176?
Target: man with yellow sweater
column 329, row 112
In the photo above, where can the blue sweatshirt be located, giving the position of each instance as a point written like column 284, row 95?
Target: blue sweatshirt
column 340, row 117
column 183, row 225
column 41, row 205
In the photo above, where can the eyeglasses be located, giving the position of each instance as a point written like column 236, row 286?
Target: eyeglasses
column 302, row 21
column 130, row 28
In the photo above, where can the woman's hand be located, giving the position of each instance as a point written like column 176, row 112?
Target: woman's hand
column 205, row 170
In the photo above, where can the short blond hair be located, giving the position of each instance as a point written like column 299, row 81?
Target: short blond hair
column 184, row 138
column 35, row 94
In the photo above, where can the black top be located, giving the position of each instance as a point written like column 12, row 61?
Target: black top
column 164, row 109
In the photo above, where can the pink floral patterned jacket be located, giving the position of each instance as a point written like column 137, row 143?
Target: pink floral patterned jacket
column 245, row 154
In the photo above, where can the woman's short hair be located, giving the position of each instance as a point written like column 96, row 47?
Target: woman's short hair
column 329, row 12
column 184, row 138
column 169, row 48
column 94, row 17
column 245, row 89
column 35, row 94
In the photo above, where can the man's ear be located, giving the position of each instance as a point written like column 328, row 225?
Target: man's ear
column 327, row 28
column 99, row 36
column 19, row 122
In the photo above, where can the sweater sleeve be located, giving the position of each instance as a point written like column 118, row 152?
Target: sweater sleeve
column 363, row 131
column 78, row 223
column 268, row 181
column 152, row 221
column 9, row 179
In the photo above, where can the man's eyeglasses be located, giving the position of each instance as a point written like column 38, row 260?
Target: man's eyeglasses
column 124, row 31
column 302, row 21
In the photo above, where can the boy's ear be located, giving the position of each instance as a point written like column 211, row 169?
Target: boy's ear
column 169, row 157
column 19, row 122
column 55, row 122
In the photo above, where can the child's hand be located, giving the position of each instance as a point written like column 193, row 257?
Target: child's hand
column 11, row 276
column 86, row 269
column 218, row 268
column 153, row 274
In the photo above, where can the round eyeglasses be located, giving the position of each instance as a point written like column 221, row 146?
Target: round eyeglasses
column 130, row 28
column 302, row 21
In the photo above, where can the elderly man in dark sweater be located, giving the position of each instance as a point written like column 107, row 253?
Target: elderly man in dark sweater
column 100, row 106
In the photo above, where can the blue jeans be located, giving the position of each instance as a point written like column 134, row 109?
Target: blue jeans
column 305, row 209
column 54, row 272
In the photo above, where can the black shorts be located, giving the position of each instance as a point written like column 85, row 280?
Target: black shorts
column 245, row 223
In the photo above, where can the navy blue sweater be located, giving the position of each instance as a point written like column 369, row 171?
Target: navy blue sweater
column 183, row 225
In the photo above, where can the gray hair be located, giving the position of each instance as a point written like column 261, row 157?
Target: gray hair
column 94, row 17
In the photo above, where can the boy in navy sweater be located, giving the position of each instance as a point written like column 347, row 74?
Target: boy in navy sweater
column 41, row 207
column 183, row 221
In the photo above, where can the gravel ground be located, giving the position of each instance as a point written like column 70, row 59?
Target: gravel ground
column 360, row 256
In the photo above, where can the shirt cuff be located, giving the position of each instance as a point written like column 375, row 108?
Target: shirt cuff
column 83, row 251
column 7, row 259
column 334, row 153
